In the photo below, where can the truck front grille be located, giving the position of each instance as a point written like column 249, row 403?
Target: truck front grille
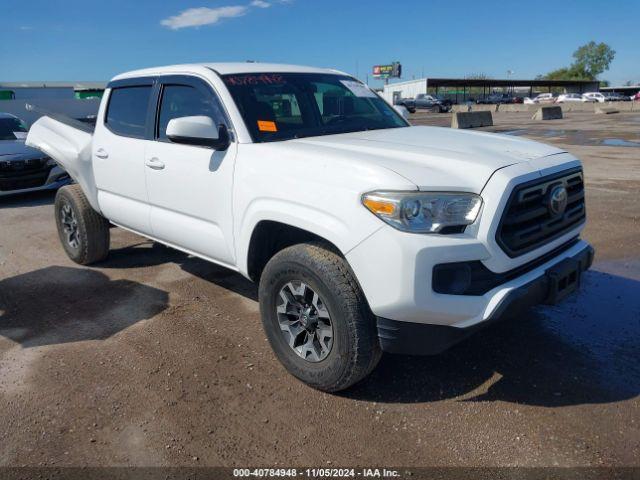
column 528, row 221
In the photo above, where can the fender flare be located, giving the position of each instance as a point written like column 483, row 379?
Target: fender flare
column 304, row 217
column 70, row 148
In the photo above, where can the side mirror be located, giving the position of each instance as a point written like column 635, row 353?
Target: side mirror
column 198, row 130
column 402, row 110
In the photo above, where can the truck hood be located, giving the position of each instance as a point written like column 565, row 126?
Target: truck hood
column 431, row 157
column 16, row 149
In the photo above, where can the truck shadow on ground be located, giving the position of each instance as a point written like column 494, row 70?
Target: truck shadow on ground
column 582, row 352
column 34, row 199
column 147, row 254
column 60, row 304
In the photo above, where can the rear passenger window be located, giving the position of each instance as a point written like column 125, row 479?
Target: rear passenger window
column 127, row 111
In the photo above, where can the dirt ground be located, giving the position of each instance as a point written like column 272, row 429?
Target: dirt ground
column 156, row 358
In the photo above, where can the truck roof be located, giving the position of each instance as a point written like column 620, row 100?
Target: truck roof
column 227, row 68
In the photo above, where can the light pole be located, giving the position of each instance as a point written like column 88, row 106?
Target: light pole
column 509, row 73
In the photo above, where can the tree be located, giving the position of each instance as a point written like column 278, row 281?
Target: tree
column 590, row 61
column 593, row 58
column 567, row 73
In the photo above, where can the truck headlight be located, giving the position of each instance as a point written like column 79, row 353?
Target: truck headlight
column 423, row 212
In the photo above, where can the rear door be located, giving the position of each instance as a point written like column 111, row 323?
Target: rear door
column 118, row 146
column 190, row 186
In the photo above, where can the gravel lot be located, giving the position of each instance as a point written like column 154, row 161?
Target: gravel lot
column 156, row 358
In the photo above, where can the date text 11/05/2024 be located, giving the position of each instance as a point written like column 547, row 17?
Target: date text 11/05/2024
column 316, row 472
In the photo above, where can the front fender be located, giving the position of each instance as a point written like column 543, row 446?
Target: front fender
column 344, row 235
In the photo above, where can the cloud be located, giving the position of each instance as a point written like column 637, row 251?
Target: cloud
column 197, row 17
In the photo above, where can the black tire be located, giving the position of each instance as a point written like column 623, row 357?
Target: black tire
column 356, row 350
column 90, row 243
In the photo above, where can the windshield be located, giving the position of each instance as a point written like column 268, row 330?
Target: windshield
column 12, row 128
column 282, row 106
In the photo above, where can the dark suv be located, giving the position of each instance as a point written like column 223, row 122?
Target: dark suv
column 497, row 98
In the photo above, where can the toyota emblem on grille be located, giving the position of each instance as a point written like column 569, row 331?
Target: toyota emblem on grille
column 558, row 200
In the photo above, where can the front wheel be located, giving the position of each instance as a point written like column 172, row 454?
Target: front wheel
column 316, row 317
column 83, row 232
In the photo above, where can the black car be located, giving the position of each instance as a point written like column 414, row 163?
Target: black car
column 616, row 97
column 432, row 102
column 496, row 98
column 22, row 168
column 408, row 103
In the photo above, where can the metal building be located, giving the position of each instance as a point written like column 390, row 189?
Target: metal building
column 460, row 90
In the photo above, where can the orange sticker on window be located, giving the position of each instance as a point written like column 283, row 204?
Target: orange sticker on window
column 266, row 126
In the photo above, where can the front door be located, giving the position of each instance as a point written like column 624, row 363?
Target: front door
column 190, row 186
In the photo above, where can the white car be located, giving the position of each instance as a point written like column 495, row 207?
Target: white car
column 573, row 98
column 595, row 97
column 365, row 234
column 545, row 98
column 528, row 101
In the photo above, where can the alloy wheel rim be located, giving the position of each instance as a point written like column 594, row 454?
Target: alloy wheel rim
column 70, row 225
column 304, row 320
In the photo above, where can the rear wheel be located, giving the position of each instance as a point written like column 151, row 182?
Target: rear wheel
column 83, row 232
column 317, row 319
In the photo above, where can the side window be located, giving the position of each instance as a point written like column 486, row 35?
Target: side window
column 185, row 101
column 127, row 110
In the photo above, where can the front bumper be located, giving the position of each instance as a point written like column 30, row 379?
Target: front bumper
column 56, row 178
column 424, row 339
column 395, row 272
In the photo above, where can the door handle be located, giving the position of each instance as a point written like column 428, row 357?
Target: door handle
column 154, row 163
column 102, row 153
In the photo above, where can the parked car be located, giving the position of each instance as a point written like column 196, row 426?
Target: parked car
column 24, row 169
column 572, row 98
column 545, row 98
column 636, row 97
column 447, row 102
column 528, row 101
column 595, row 96
column 431, row 102
column 408, row 103
column 364, row 233
column 616, row 97
column 496, row 98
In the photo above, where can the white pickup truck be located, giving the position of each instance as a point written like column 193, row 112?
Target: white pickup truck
column 365, row 234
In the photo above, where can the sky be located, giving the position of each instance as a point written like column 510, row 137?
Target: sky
column 87, row 40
